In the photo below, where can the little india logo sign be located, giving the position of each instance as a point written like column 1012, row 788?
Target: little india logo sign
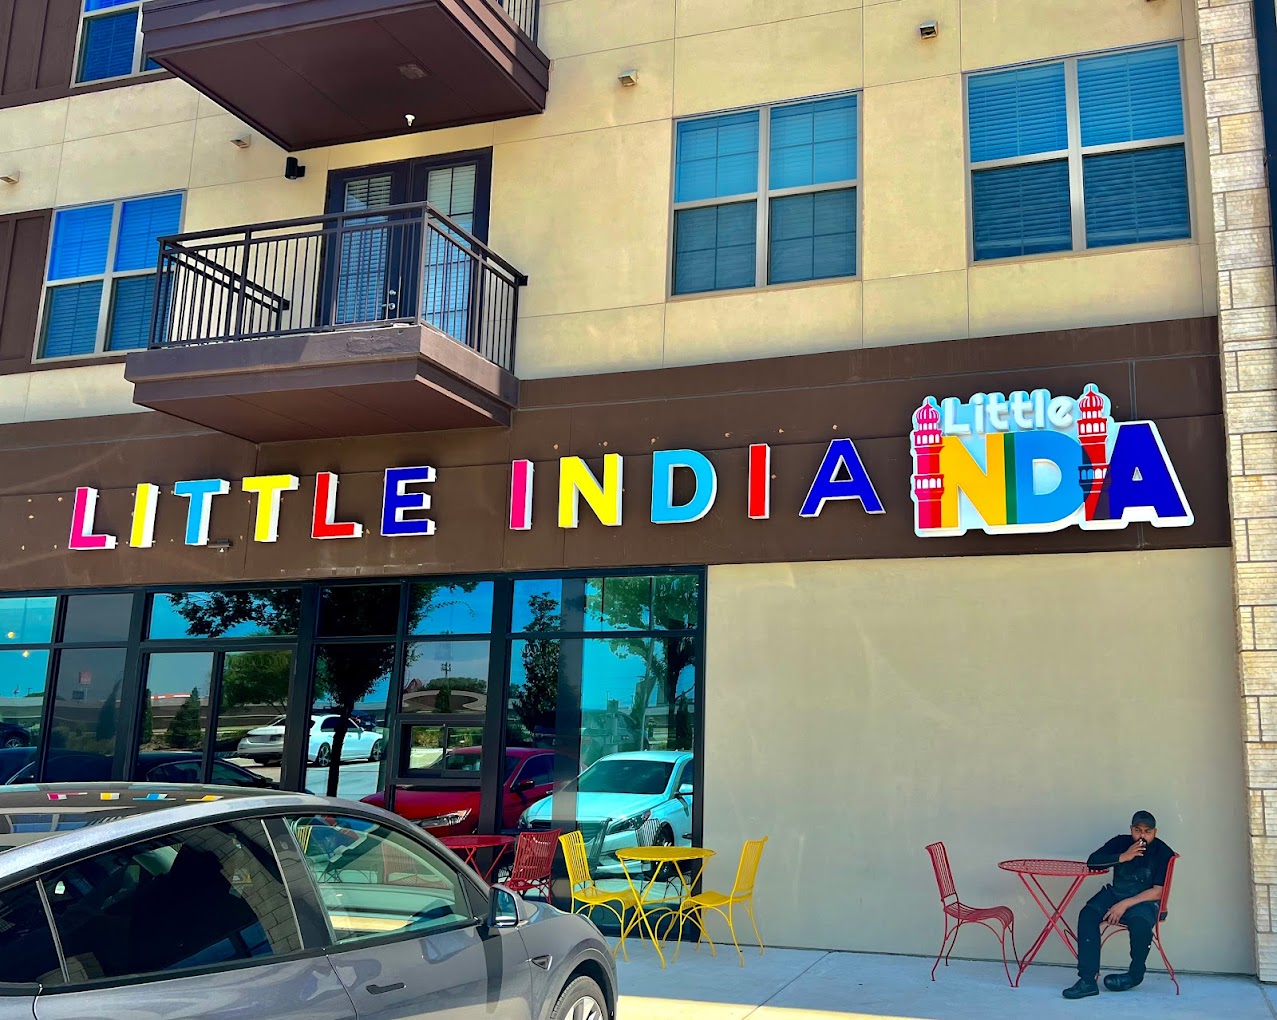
column 1033, row 462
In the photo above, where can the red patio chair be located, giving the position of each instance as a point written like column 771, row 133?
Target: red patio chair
column 1163, row 909
column 957, row 913
column 533, row 860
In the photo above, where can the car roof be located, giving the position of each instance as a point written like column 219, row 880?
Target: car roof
column 648, row 755
column 122, row 813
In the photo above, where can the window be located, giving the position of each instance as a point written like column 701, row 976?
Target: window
column 373, row 881
column 540, row 770
column 1083, row 153
column 213, row 895
column 767, row 194
column 27, row 954
column 110, row 40
column 99, row 290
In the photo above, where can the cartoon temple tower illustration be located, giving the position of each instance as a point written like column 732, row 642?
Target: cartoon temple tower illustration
column 1092, row 433
column 928, row 481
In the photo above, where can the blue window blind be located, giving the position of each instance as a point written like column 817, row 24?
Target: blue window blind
column 101, row 5
column 813, row 143
column 717, row 157
column 107, row 44
column 813, row 237
column 365, row 255
column 1017, row 113
column 1136, row 196
column 447, row 284
column 1125, row 97
column 1021, row 210
column 81, row 238
column 142, row 222
column 71, row 319
column 131, row 306
column 714, row 247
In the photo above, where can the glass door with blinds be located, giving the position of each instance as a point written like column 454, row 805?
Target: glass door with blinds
column 397, row 265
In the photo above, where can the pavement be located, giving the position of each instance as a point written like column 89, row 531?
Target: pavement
column 797, row 984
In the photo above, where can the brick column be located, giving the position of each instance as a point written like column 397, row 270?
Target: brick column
column 1248, row 352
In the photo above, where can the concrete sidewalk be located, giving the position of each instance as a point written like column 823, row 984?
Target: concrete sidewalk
column 792, row 984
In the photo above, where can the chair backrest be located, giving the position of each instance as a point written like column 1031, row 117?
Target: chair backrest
column 751, row 853
column 534, row 855
column 944, row 874
column 574, row 854
column 1165, row 908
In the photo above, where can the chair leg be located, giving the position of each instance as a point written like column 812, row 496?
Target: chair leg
column 953, row 944
column 1157, row 939
column 750, row 908
column 943, row 944
column 1015, row 953
column 731, row 930
column 1002, row 940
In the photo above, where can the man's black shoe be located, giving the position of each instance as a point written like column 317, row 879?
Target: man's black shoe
column 1083, row 989
column 1121, row 982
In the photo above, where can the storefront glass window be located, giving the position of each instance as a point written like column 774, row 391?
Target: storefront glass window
column 98, row 618
column 225, row 614
column 348, row 721
column 86, row 714
column 359, row 610
column 27, row 620
column 458, row 608
column 249, row 726
column 175, row 717
column 446, row 676
column 21, row 707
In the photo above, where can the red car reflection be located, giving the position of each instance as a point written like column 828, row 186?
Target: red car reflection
column 529, row 778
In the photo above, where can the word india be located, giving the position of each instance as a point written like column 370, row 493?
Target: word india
column 1033, row 462
column 404, row 503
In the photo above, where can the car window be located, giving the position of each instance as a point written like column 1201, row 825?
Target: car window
column 27, row 953
column 212, row 895
column 229, row 775
column 373, row 881
column 175, row 772
column 626, row 775
column 539, row 769
column 329, row 725
column 686, row 775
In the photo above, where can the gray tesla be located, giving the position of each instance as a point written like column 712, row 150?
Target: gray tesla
column 183, row 902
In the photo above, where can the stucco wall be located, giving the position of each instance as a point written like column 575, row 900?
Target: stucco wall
column 581, row 194
column 1012, row 707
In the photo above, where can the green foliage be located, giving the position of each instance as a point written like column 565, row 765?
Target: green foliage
column 148, row 719
column 257, row 678
column 185, row 730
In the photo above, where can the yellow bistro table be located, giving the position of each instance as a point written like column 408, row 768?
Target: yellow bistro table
column 673, row 855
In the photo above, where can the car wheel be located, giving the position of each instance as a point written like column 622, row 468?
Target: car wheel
column 324, row 755
column 376, row 752
column 14, row 741
column 664, row 837
column 581, row 1000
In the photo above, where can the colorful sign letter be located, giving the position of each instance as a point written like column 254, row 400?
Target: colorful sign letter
column 200, row 491
column 664, row 464
column 521, row 495
column 82, row 536
column 324, row 522
column 577, row 480
column 841, row 459
column 269, row 489
column 1037, row 463
column 397, row 502
column 145, row 501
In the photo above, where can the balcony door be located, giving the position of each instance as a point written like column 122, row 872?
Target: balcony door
column 391, row 263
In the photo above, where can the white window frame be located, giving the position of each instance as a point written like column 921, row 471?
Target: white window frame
column 1076, row 154
column 108, row 279
column 763, row 195
column 85, row 18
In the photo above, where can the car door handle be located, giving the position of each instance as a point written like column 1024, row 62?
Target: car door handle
column 383, row 989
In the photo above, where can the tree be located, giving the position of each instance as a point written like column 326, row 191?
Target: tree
column 107, row 717
column 535, row 702
column 185, row 730
column 148, row 720
column 257, row 678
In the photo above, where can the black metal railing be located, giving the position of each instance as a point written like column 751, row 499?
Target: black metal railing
column 404, row 264
column 524, row 13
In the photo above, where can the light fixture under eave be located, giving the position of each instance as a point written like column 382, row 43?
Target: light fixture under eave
column 413, row 72
column 219, row 543
column 242, row 141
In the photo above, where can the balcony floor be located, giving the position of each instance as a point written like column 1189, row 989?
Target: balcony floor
column 326, row 385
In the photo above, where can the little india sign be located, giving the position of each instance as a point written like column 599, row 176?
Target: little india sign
column 1032, row 462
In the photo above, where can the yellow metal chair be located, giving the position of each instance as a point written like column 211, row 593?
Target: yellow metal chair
column 586, row 893
column 742, row 894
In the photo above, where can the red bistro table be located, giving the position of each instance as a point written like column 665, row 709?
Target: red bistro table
column 1030, row 872
column 467, row 846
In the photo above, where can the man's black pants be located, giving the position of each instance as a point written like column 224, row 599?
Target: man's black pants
column 1139, row 920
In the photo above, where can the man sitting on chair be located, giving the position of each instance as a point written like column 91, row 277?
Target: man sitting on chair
column 1139, row 864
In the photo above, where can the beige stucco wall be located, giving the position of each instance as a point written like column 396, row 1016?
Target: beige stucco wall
column 581, row 194
column 1012, row 707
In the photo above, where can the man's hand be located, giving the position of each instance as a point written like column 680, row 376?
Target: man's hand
column 1114, row 916
column 1135, row 850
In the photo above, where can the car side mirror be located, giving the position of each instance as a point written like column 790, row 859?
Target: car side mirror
column 503, row 908
column 685, row 790
column 523, row 784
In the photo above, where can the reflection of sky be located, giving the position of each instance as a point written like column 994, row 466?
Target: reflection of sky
column 22, row 673
column 179, row 673
column 167, row 622
column 26, row 620
column 455, row 611
column 610, row 603
column 607, row 673
column 465, row 658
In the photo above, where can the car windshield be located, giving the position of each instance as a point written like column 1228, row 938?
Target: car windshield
column 625, row 775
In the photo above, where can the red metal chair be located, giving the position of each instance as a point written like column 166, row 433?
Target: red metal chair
column 958, row 913
column 1163, row 909
column 533, row 861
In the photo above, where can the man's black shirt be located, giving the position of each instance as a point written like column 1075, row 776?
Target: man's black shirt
column 1130, row 878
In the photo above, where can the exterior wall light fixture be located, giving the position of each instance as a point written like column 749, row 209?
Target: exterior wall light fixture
column 929, row 29
column 293, row 170
column 628, row 78
column 242, row 141
column 12, row 177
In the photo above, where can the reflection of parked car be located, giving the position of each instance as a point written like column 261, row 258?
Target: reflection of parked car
column 120, row 903
column 13, row 735
column 152, row 767
column 266, row 743
column 529, row 778
column 633, row 798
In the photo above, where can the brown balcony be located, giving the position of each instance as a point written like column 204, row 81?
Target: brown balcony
column 307, row 73
column 330, row 326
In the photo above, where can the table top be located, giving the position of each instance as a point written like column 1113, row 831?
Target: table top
column 1051, row 868
column 475, row 842
column 664, row 853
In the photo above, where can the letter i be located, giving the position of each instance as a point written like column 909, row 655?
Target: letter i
column 760, row 482
column 144, row 504
column 521, row 495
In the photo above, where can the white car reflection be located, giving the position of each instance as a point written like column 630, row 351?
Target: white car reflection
column 364, row 742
